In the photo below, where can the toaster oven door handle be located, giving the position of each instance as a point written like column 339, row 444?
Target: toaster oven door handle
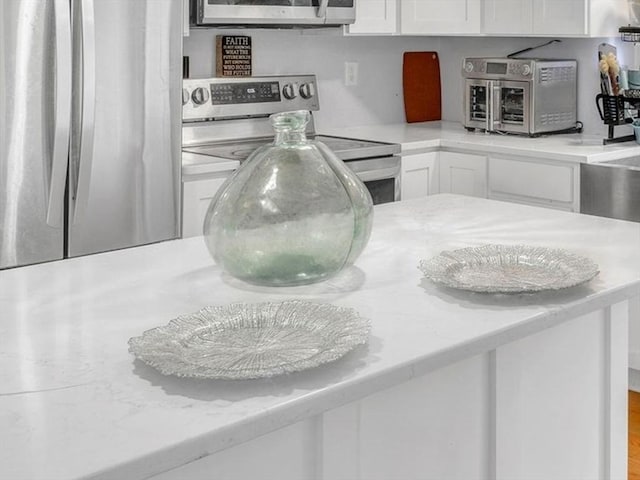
column 496, row 103
column 489, row 116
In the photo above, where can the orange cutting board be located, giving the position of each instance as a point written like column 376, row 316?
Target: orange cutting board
column 421, row 86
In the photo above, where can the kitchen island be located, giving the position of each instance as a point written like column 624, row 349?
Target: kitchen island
column 452, row 384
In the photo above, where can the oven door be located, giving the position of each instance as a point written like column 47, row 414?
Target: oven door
column 380, row 175
column 497, row 105
column 477, row 103
column 273, row 12
column 510, row 106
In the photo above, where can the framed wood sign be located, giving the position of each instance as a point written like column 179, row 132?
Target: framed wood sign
column 233, row 56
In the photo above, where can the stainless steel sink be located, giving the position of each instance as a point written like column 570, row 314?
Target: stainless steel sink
column 611, row 189
column 633, row 162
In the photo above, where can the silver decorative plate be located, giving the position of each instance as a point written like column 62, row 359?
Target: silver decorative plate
column 243, row 341
column 508, row 269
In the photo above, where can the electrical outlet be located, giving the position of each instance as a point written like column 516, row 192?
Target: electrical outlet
column 350, row 74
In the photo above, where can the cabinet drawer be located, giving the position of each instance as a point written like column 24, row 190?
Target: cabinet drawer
column 535, row 180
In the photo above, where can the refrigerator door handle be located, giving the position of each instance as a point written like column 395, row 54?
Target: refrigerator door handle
column 60, row 152
column 88, row 108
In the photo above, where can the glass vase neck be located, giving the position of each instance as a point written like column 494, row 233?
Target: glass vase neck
column 288, row 137
column 290, row 127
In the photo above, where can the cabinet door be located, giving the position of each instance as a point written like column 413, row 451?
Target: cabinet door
column 606, row 16
column 508, row 16
column 419, row 176
column 560, row 17
column 375, row 16
column 196, row 197
column 536, row 182
column 285, row 454
column 419, row 429
column 463, row 173
column 449, row 17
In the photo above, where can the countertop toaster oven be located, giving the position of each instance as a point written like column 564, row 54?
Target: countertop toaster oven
column 529, row 96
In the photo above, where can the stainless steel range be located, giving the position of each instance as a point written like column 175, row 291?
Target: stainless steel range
column 227, row 118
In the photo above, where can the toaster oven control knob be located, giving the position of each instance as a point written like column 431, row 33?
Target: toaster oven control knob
column 289, row 91
column 468, row 67
column 200, row 95
column 526, row 70
column 307, row 90
column 185, row 96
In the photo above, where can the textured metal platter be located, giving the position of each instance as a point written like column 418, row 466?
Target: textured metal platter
column 245, row 341
column 508, row 269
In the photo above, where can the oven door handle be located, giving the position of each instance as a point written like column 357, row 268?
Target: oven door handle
column 489, row 103
column 378, row 174
column 496, row 104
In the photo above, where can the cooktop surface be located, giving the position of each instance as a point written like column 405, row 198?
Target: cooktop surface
column 344, row 148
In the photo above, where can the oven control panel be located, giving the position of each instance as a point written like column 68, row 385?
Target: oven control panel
column 229, row 97
column 498, row 68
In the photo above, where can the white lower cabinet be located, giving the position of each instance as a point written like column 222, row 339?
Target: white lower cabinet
column 531, row 181
column 535, row 182
column 196, row 197
column 545, row 406
column 463, row 174
column 419, row 175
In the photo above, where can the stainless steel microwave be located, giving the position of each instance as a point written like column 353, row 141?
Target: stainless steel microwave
column 520, row 95
column 272, row 13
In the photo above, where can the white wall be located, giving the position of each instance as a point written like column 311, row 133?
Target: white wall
column 378, row 96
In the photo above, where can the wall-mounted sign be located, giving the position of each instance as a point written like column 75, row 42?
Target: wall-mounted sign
column 233, row 56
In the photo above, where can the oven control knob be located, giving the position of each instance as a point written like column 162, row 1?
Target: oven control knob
column 468, row 67
column 200, row 96
column 526, row 70
column 289, row 91
column 307, row 90
column 185, row 96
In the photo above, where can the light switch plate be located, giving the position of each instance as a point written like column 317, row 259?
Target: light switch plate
column 350, row 74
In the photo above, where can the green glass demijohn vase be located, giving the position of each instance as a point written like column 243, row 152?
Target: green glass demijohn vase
column 292, row 214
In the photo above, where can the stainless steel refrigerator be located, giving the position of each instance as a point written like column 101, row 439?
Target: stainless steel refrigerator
column 90, row 117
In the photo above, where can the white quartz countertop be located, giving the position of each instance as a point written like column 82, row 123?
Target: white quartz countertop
column 451, row 135
column 75, row 404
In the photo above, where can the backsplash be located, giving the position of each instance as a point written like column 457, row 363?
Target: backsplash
column 377, row 97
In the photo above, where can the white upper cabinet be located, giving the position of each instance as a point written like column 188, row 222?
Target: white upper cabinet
column 375, row 16
column 561, row 17
column 605, row 17
column 440, row 17
column 508, row 16
column 554, row 17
